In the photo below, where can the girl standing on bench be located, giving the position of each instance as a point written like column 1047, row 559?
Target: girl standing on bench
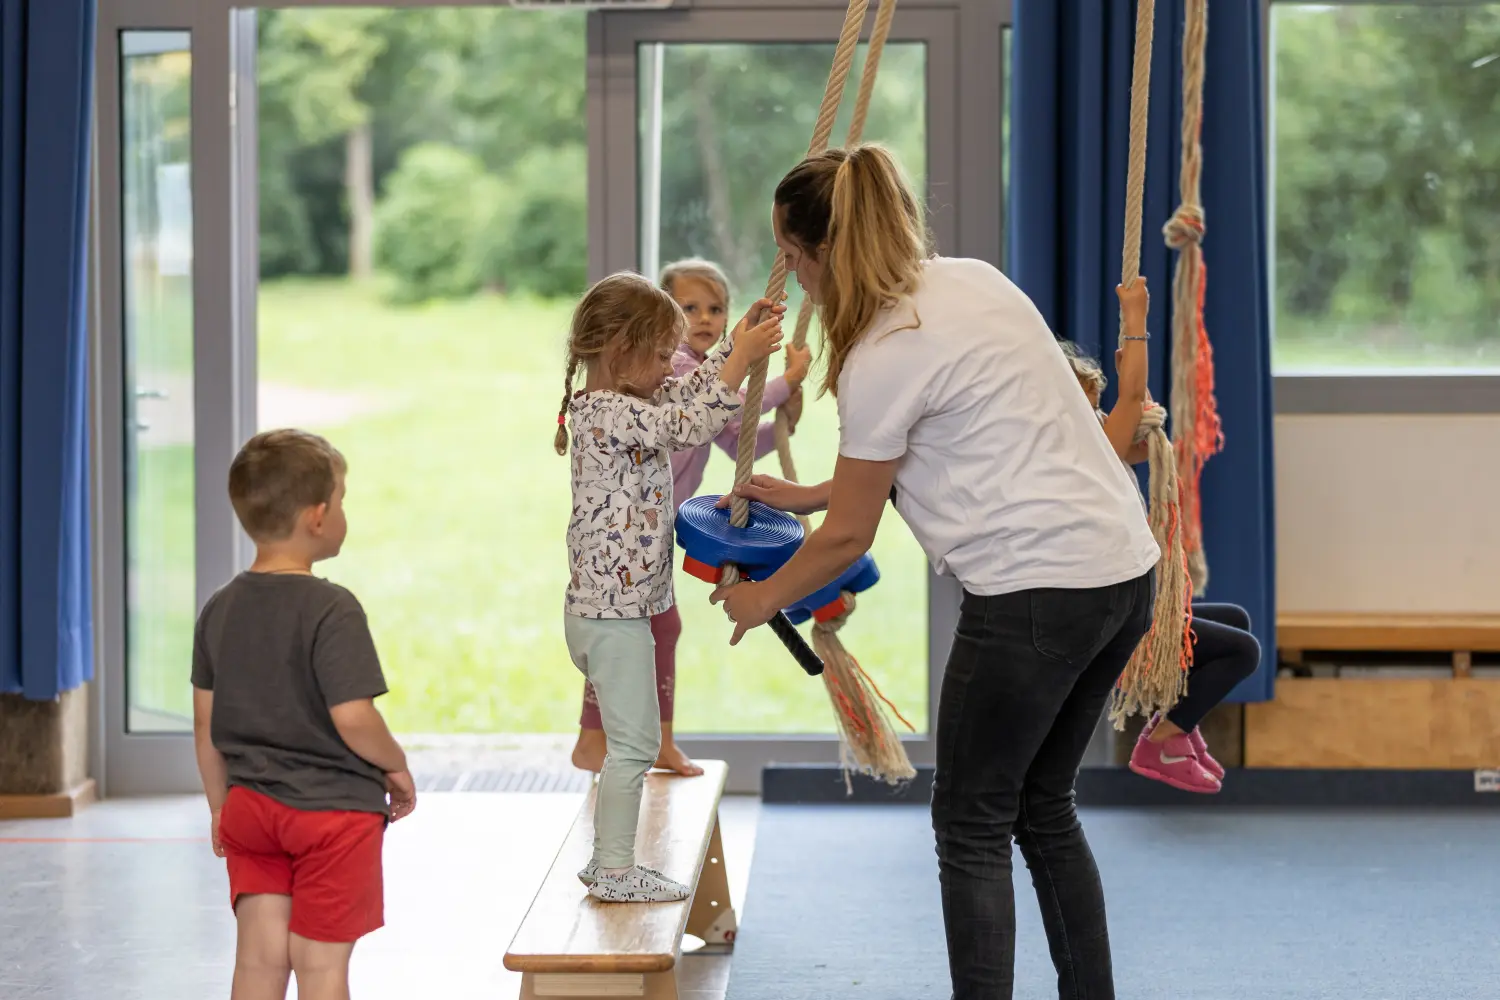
column 629, row 418
column 1171, row 749
column 702, row 291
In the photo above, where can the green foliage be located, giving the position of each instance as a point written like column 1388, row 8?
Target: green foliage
column 431, row 223
column 537, row 240
column 1387, row 174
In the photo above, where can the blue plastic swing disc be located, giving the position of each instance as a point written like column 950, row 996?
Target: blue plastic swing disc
column 761, row 546
column 859, row 577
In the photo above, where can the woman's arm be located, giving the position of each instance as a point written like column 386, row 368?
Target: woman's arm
column 856, row 500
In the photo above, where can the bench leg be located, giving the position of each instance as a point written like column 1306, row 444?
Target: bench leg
column 712, row 916
column 647, row 986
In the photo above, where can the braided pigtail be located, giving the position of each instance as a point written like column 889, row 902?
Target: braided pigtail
column 560, row 439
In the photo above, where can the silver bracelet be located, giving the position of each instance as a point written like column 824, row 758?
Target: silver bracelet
column 1146, row 337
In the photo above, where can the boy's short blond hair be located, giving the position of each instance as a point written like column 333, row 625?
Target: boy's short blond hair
column 279, row 474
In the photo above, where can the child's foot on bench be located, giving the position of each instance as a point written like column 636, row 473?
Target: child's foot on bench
column 671, row 757
column 589, row 751
column 635, row 885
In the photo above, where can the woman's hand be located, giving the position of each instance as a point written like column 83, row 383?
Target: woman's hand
column 798, row 361
column 745, row 606
column 213, row 833
column 794, row 498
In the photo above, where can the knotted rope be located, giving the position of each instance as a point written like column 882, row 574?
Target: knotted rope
column 867, row 738
column 1195, row 414
column 878, row 36
column 868, row 743
column 1156, row 674
column 755, row 390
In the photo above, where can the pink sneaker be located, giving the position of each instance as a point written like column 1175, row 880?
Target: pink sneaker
column 1173, row 762
column 1205, row 758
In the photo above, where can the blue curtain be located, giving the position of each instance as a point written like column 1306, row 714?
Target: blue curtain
column 46, row 89
column 1070, row 96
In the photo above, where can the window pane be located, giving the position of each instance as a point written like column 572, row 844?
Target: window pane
column 719, row 126
column 423, row 239
column 156, row 70
column 1387, row 186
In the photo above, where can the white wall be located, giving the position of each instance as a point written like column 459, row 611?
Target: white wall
column 1388, row 513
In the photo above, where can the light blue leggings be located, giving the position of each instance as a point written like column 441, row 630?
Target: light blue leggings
column 618, row 656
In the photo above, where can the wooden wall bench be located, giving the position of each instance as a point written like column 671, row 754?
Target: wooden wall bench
column 570, row 945
column 1375, row 722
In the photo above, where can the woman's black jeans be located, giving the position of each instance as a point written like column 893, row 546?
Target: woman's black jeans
column 1026, row 683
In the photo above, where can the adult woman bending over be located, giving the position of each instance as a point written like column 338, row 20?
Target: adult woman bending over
column 954, row 400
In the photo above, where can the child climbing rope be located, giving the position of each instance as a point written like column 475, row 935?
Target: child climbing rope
column 628, row 419
column 1171, row 749
column 702, row 291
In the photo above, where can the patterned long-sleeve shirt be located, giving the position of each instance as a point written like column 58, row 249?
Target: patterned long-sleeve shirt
column 620, row 532
column 688, row 466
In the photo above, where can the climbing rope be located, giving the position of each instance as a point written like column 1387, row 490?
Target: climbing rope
column 868, row 742
column 878, row 36
column 1156, row 676
column 755, row 390
column 1195, row 415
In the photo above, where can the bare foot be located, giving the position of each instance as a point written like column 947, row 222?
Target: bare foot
column 672, row 758
column 588, row 752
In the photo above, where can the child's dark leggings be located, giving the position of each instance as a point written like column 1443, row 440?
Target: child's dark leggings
column 666, row 628
column 1224, row 653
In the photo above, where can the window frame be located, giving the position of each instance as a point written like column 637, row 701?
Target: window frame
column 1453, row 391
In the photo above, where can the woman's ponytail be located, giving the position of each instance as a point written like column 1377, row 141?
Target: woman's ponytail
column 876, row 243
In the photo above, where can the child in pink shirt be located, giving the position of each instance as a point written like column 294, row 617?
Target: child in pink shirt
column 702, row 291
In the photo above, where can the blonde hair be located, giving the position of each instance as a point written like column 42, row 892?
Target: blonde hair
column 279, row 474
column 1088, row 372
column 855, row 208
column 623, row 311
column 696, row 268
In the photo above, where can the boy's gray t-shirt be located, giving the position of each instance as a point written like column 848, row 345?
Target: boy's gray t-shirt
column 278, row 651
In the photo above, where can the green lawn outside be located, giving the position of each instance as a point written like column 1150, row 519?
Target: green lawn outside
column 458, row 507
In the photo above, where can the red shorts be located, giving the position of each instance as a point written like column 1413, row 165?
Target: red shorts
column 328, row 862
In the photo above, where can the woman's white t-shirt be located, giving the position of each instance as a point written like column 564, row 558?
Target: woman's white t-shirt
column 1006, row 477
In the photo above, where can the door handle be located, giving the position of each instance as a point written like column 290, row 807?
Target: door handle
column 150, row 393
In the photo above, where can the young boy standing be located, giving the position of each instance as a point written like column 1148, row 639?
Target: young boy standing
column 296, row 760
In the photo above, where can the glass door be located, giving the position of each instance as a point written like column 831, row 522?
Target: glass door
column 700, row 114
column 163, row 389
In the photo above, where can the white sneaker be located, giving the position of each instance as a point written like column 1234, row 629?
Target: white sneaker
column 590, row 873
column 638, row 885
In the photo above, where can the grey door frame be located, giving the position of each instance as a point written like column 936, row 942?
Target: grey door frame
column 964, row 39
column 126, row 763
column 964, row 102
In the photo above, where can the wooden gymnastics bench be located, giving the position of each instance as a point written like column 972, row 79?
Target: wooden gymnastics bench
column 570, row 945
column 1460, row 635
column 1380, row 722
